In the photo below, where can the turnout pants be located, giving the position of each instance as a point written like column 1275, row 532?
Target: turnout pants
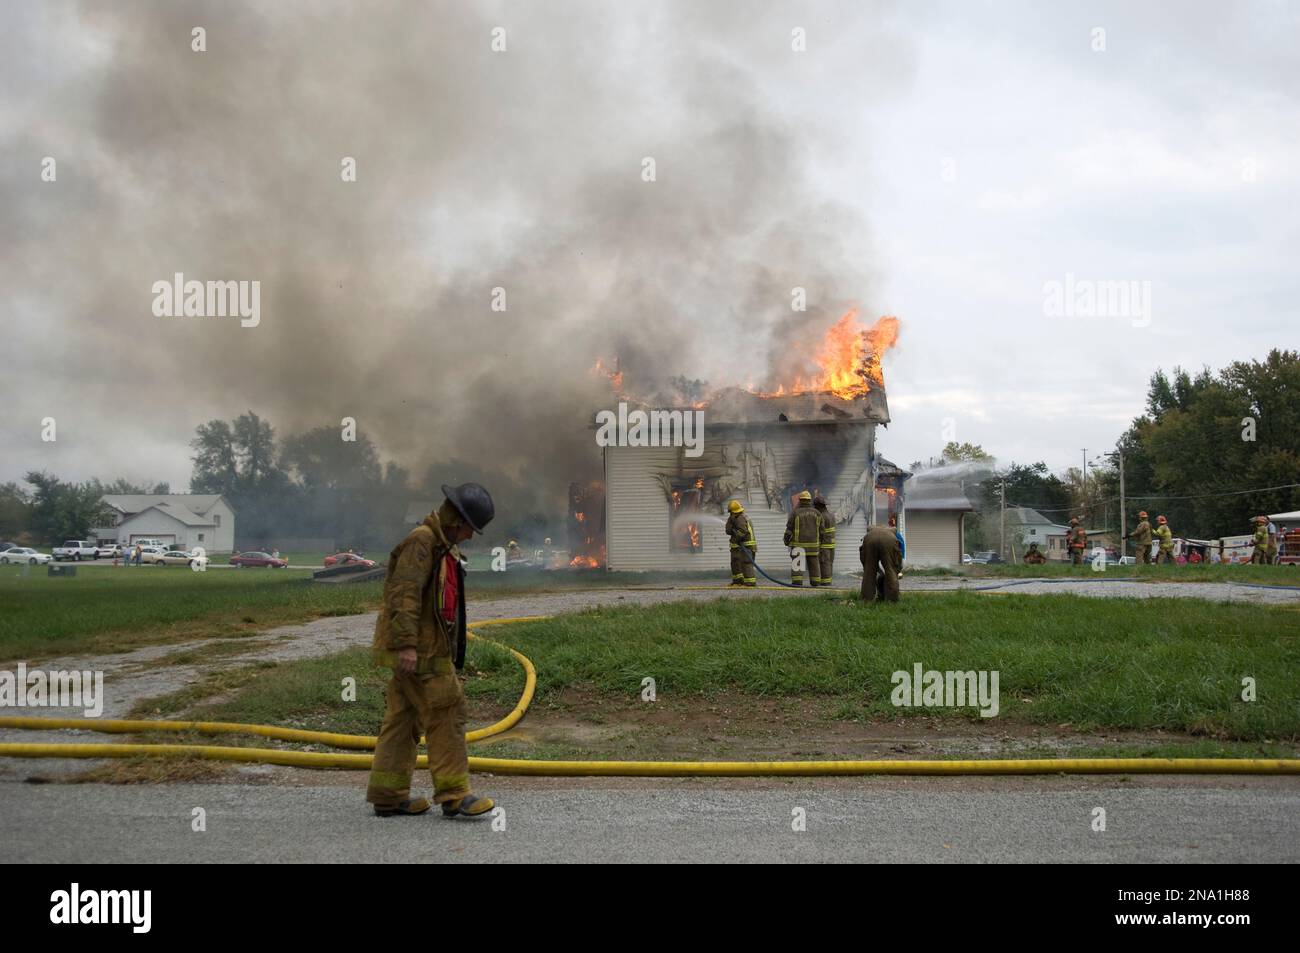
column 826, row 563
column 812, row 559
column 434, row 705
column 1076, row 557
column 1144, row 553
column 889, row 559
column 742, row 568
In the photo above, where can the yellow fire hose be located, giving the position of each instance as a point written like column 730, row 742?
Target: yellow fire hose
column 656, row 769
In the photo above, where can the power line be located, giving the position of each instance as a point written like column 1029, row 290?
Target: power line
column 1044, row 508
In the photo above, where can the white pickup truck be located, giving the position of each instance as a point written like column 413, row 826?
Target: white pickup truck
column 76, row 549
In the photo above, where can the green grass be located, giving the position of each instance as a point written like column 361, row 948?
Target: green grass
column 1084, row 664
column 106, row 610
column 1203, row 572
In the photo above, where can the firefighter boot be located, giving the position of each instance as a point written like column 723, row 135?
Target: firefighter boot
column 469, row 806
column 413, row 806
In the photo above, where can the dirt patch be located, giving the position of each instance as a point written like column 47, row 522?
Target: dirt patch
column 734, row 726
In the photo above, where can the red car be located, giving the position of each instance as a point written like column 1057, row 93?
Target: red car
column 257, row 559
column 349, row 559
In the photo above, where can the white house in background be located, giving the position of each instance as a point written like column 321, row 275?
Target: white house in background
column 1026, row 525
column 183, row 520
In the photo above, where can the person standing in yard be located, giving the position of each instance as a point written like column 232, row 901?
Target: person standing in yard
column 420, row 634
column 740, row 533
column 1166, row 537
column 1078, row 541
column 1141, row 537
column 880, row 554
column 826, row 543
column 803, row 531
column 1259, row 555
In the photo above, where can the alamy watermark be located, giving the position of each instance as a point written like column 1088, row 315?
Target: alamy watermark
column 179, row 298
column 934, row 689
column 132, row 907
column 1076, row 298
column 54, row 689
column 651, row 428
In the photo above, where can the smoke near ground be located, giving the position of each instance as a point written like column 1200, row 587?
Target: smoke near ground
column 476, row 170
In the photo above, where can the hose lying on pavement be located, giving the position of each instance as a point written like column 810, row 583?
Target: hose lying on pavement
column 655, row 769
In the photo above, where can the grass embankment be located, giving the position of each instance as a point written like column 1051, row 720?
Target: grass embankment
column 111, row 610
column 1064, row 662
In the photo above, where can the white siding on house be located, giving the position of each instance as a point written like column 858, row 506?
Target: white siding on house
column 933, row 538
column 154, row 524
column 223, row 536
column 831, row 458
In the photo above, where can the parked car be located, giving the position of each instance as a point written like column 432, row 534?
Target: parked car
column 988, row 556
column 965, row 559
column 349, row 559
column 76, row 550
column 241, row 560
column 151, row 554
column 150, row 541
column 108, row 551
column 174, row 557
column 23, row 554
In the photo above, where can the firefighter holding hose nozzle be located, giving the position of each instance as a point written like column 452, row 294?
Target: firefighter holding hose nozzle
column 740, row 532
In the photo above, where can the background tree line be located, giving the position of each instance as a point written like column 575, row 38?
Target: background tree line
column 1203, row 440
column 311, row 484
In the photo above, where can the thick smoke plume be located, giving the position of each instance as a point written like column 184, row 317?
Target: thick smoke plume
column 475, row 170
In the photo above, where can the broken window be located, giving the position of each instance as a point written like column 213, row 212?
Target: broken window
column 684, row 509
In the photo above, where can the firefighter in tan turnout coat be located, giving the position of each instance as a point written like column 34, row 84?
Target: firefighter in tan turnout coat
column 420, row 634
column 803, row 530
column 740, row 533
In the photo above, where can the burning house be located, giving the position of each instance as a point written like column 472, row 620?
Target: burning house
column 664, row 507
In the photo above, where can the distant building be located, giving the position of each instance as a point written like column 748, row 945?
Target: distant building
column 182, row 520
column 1026, row 525
column 934, row 523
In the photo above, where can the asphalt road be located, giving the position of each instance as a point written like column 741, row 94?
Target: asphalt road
column 886, row 821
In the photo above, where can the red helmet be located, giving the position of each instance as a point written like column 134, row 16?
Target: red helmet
column 1142, row 513
column 1161, row 519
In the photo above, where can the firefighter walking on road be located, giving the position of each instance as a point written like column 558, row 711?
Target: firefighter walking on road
column 1141, row 537
column 1078, row 541
column 882, row 560
column 740, row 532
column 826, row 541
column 1166, row 537
column 803, row 532
column 420, row 634
column 1260, row 554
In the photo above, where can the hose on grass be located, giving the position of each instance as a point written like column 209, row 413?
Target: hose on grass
column 655, row 769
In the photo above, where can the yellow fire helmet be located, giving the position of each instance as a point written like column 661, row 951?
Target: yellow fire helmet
column 513, row 543
column 735, row 507
column 805, row 495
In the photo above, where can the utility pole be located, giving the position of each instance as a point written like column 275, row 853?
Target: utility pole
column 1083, row 487
column 1003, row 543
column 1123, row 518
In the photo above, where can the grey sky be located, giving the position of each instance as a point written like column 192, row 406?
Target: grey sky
column 937, row 161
